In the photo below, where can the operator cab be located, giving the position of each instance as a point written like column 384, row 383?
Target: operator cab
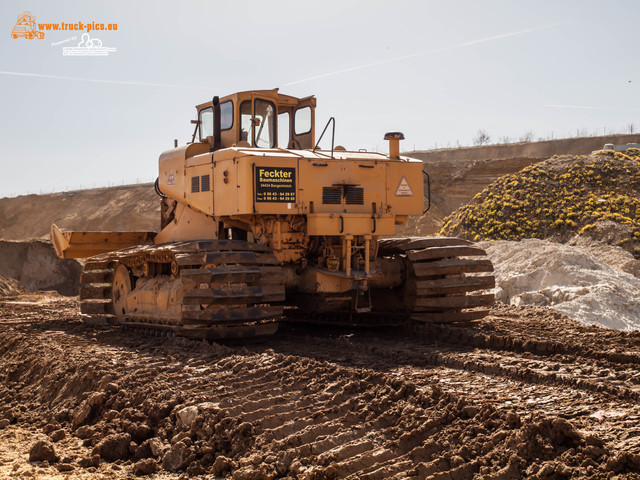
column 257, row 119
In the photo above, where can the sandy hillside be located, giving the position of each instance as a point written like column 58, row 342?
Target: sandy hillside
column 126, row 208
column 29, row 217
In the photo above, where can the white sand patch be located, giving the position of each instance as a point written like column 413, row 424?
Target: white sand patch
column 567, row 278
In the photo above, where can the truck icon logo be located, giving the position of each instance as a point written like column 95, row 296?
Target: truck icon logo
column 26, row 27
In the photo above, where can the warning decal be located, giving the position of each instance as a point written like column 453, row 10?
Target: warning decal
column 404, row 190
column 275, row 184
column 171, row 180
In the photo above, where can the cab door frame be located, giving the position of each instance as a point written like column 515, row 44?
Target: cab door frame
column 307, row 139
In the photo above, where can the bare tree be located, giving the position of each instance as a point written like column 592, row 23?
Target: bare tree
column 505, row 139
column 527, row 136
column 482, row 138
column 631, row 127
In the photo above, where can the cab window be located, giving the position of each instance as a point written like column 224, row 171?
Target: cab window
column 226, row 115
column 303, row 120
column 264, row 124
column 283, row 130
column 245, row 120
column 206, row 123
column 206, row 119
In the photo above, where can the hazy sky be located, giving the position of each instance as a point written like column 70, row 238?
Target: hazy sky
column 436, row 70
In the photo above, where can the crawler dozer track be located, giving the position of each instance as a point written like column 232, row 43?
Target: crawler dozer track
column 217, row 289
column 443, row 279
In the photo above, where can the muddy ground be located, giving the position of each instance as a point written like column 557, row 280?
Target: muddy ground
column 524, row 393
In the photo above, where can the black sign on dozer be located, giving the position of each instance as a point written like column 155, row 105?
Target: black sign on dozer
column 275, row 184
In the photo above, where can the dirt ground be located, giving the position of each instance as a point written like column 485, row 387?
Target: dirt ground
column 523, row 393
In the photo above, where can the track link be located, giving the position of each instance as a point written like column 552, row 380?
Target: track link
column 215, row 289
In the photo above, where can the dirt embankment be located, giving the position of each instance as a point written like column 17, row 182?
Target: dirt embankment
column 524, row 393
column 37, row 267
column 126, row 208
column 29, row 217
column 532, row 150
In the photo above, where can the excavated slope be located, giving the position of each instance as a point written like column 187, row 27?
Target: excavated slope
column 126, row 208
column 29, row 217
column 37, row 267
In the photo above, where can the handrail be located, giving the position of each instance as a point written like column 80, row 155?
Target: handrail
column 156, row 187
column 428, row 191
column 333, row 135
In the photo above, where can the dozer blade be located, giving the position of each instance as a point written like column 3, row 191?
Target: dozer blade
column 88, row 244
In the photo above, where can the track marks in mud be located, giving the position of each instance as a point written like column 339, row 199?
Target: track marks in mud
column 616, row 379
column 305, row 405
column 550, row 349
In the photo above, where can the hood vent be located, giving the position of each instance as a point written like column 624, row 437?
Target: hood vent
column 205, row 183
column 354, row 195
column 334, row 195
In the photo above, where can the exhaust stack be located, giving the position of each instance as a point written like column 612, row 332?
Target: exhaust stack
column 394, row 143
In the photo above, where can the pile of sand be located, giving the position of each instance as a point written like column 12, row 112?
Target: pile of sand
column 596, row 195
column 586, row 282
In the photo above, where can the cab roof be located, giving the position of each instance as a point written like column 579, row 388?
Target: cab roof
column 273, row 94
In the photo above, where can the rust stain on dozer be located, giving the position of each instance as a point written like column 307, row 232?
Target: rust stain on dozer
column 255, row 217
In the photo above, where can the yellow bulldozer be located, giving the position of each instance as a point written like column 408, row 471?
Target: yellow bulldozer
column 258, row 224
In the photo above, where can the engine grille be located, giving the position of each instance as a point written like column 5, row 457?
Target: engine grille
column 205, row 183
column 195, row 184
column 331, row 195
column 354, row 195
